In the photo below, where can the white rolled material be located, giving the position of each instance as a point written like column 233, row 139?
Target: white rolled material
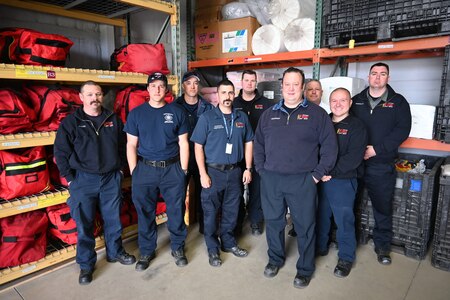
column 235, row 10
column 260, row 9
column 268, row 39
column 299, row 35
column 282, row 12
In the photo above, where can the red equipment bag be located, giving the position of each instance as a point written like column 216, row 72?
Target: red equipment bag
column 15, row 115
column 30, row 47
column 63, row 227
column 141, row 58
column 52, row 104
column 23, row 172
column 23, row 238
column 132, row 96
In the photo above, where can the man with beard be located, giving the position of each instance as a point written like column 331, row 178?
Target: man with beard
column 223, row 137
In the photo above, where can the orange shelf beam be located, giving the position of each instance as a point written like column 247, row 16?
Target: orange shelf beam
column 256, row 59
column 424, row 144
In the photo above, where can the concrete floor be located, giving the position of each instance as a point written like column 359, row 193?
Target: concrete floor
column 238, row 278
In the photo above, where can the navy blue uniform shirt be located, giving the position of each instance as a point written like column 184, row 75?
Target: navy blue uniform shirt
column 157, row 129
column 211, row 133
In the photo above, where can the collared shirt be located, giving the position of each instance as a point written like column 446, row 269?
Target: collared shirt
column 212, row 134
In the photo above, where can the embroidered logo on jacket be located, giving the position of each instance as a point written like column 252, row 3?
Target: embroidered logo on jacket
column 239, row 125
column 259, row 106
column 168, row 118
column 388, row 104
column 342, row 131
column 302, row 117
column 218, row 127
column 109, row 124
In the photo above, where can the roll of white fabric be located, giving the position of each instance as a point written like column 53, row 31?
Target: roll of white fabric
column 282, row 12
column 260, row 9
column 268, row 39
column 235, row 10
column 299, row 35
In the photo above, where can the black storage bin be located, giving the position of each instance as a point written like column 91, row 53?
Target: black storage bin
column 414, row 204
column 377, row 20
column 440, row 257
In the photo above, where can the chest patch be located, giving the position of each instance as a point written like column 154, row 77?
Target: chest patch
column 388, row 105
column 259, row 106
column 302, row 117
column 239, row 125
column 218, row 126
column 342, row 131
column 168, row 118
column 109, row 124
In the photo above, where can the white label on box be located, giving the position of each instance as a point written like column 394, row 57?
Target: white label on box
column 269, row 94
column 234, row 41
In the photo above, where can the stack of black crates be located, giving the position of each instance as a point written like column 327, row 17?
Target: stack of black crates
column 442, row 128
column 414, row 207
column 440, row 257
column 376, row 20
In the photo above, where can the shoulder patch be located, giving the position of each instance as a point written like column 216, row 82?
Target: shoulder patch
column 388, row 104
column 303, row 117
column 342, row 131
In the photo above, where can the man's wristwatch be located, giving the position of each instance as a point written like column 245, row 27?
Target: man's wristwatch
column 249, row 169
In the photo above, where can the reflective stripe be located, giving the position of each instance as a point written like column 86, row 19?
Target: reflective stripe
column 24, row 166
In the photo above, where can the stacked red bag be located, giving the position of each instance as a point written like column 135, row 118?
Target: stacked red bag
column 15, row 114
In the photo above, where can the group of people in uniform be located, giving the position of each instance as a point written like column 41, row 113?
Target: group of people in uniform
column 293, row 156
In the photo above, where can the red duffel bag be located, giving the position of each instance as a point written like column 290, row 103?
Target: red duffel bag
column 141, row 58
column 23, row 238
column 30, row 47
column 132, row 96
column 15, row 115
column 52, row 104
column 23, row 172
column 63, row 227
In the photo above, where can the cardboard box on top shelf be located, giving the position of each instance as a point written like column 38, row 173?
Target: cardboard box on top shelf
column 207, row 15
column 236, row 37
column 208, row 3
column 207, row 41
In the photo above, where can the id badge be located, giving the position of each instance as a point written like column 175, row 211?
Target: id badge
column 229, row 148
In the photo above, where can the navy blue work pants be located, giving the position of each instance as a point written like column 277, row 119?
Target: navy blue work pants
column 337, row 198
column 147, row 182
column 298, row 192
column 379, row 179
column 224, row 195
column 87, row 191
column 255, row 213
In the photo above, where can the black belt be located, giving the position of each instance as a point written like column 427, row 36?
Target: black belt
column 161, row 163
column 223, row 167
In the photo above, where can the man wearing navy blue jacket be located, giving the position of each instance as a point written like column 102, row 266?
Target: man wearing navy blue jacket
column 387, row 117
column 338, row 189
column 90, row 152
column 194, row 106
column 295, row 146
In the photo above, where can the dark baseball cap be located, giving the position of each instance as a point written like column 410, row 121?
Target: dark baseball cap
column 157, row 76
column 190, row 74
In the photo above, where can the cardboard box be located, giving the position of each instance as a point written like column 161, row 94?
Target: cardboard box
column 207, row 41
column 209, row 3
column 205, row 16
column 236, row 37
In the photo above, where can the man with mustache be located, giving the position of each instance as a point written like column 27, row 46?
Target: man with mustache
column 223, row 137
column 90, row 152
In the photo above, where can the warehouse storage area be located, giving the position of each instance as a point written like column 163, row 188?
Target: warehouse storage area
column 335, row 41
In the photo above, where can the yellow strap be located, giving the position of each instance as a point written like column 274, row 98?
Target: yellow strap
column 22, row 167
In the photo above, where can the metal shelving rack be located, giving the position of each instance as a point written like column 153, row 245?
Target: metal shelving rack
column 102, row 12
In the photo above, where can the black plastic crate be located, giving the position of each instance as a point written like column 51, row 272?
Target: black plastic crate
column 442, row 123
column 440, row 257
column 413, row 208
column 371, row 21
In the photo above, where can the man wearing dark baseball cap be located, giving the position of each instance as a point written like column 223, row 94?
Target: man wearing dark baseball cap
column 158, row 155
column 194, row 106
